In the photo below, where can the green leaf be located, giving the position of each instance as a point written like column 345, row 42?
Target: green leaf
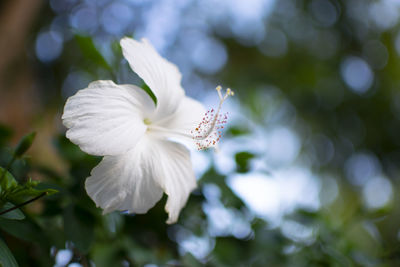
column 237, row 131
column 7, row 181
column 90, row 51
column 242, row 160
column 27, row 191
column 6, row 257
column 147, row 89
column 22, row 229
column 11, row 215
column 78, row 227
column 24, row 144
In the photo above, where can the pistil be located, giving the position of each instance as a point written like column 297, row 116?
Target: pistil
column 209, row 131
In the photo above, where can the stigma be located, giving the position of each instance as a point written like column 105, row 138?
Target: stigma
column 209, row 131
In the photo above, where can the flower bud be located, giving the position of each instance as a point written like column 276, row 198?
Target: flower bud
column 24, row 144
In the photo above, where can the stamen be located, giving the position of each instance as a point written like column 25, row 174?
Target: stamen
column 209, row 130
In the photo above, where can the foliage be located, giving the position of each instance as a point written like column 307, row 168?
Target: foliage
column 14, row 195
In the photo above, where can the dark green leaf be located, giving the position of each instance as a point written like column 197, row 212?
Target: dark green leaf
column 5, row 134
column 229, row 250
column 13, row 214
column 78, row 227
column 6, row 257
column 105, row 255
column 22, row 229
column 24, row 144
column 242, row 161
column 72, row 154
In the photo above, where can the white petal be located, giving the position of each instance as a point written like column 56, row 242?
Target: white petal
column 163, row 77
column 186, row 118
column 107, row 119
column 173, row 171
column 124, row 183
column 135, row 181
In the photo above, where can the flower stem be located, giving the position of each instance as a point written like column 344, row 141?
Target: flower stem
column 24, row 203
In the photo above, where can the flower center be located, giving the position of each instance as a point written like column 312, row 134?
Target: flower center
column 147, row 121
column 209, row 130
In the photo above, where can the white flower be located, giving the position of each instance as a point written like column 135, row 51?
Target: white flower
column 123, row 124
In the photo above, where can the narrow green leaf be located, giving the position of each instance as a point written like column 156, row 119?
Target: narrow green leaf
column 6, row 257
column 50, row 191
column 24, row 144
column 90, row 51
column 23, row 193
column 147, row 89
column 11, row 215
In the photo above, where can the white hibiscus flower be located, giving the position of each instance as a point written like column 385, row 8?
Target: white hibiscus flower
column 123, row 124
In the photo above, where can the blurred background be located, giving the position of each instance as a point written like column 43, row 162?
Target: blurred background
column 308, row 169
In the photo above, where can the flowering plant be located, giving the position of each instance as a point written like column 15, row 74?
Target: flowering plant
column 133, row 132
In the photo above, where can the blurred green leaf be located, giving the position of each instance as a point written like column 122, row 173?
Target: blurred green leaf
column 242, row 160
column 78, row 227
column 237, row 131
column 72, row 154
column 6, row 257
column 90, row 51
column 5, row 134
column 22, row 229
column 137, row 254
column 189, row 260
column 24, row 144
column 105, row 255
column 229, row 198
column 230, row 250
column 15, row 214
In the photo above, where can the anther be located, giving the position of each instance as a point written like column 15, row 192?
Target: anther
column 219, row 91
